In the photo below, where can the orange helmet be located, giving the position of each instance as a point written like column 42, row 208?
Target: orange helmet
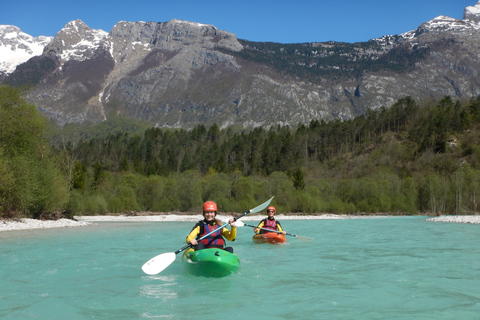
column 209, row 206
column 272, row 208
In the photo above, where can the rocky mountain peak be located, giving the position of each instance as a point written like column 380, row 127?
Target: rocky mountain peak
column 76, row 41
column 131, row 41
column 472, row 13
column 173, row 35
column 440, row 25
column 205, row 34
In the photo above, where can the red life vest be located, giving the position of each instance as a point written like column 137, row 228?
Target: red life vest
column 270, row 224
column 215, row 240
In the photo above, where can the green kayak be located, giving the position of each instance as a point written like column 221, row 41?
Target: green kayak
column 210, row 262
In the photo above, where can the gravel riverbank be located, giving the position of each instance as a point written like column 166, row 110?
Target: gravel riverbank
column 29, row 224
column 80, row 221
column 457, row 219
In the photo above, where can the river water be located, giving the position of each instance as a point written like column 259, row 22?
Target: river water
column 383, row 268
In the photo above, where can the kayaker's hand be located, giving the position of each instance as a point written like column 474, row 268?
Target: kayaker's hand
column 256, row 230
column 194, row 242
column 232, row 223
column 284, row 233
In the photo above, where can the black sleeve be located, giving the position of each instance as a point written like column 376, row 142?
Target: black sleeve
column 261, row 222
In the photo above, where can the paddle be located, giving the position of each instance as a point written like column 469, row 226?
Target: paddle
column 158, row 263
column 302, row 238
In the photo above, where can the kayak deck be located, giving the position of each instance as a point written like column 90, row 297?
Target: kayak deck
column 210, row 262
column 270, row 237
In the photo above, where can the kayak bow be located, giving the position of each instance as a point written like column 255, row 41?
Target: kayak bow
column 270, row 237
column 210, row 262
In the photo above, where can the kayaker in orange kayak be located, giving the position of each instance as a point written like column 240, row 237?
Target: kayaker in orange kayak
column 207, row 225
column 269, row 222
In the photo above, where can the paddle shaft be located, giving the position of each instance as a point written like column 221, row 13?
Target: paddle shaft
column 276, row 231
column 289, row 234
column 302, row 238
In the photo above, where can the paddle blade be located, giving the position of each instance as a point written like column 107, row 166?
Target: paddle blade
column 261, row 207
column 159, row 263
column 304, row 239
column 238, row 223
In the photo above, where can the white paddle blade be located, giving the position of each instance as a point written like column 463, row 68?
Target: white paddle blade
column 261, row 207
column 159, row 263
column 238, row 223
column 304, row 239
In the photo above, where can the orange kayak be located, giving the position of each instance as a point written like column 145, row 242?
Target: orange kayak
column 270, row 237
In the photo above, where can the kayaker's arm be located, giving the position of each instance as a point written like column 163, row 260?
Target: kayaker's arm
column 260, row 225
column 193, row 234
column 230, row 235
column 279, row 228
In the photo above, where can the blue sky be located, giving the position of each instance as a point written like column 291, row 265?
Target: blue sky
column 261, row 20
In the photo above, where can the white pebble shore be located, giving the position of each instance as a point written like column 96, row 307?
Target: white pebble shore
column 457, row 219
column 28, row 224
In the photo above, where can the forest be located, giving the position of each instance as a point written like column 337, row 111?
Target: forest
column 332, row 60
column 405, row 159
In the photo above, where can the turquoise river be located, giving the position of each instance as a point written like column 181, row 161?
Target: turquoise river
column 382, row 268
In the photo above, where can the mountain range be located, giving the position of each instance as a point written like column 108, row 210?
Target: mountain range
column 180, row 74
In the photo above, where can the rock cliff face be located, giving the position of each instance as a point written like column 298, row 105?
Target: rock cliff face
column 180, row 74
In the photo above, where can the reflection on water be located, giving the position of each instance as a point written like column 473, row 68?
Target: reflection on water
column 163, row 288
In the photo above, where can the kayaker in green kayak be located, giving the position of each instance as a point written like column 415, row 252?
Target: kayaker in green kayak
column 270, row 222
column 208, row 224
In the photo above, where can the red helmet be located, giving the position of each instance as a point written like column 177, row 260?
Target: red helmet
column 209, row 206
column 272, row 208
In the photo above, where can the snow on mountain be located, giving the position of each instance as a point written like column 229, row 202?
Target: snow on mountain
column 471, row 20
column 76, row 41
column 17, row 47
column 472, row 13
column 444, row 23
